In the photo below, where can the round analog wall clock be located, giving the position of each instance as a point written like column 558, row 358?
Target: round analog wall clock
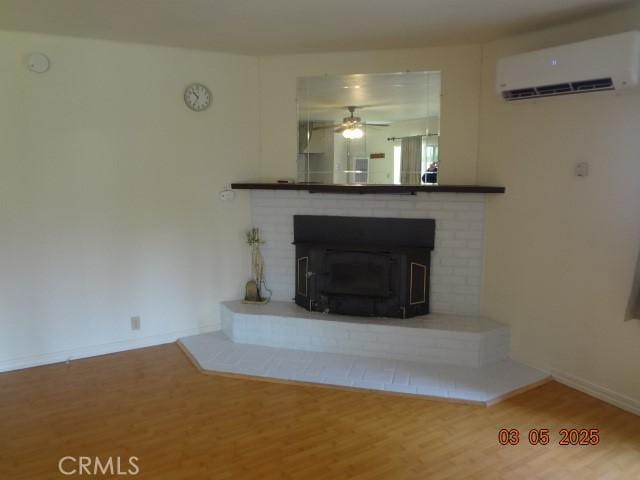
column 197, row 97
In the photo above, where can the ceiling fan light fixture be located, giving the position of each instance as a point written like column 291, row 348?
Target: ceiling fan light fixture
column 353, row 133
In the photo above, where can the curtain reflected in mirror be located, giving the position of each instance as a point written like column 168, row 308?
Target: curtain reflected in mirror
column 369, row 128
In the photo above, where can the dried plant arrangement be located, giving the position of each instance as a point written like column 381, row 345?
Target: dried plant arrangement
column 255, row 287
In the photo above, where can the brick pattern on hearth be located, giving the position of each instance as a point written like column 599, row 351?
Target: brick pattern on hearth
column 457, row 260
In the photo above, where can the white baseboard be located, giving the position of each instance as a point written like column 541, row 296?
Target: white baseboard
column 603, row 393
column 101, row 349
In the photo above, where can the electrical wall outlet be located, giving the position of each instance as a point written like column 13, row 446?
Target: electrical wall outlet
column 581, row 169
column 135, row 323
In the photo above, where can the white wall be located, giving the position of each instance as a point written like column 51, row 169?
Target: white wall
column 108, row 194
column 460, row 67
column 560, row 250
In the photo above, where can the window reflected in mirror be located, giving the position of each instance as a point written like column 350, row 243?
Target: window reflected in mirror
column 369, row 128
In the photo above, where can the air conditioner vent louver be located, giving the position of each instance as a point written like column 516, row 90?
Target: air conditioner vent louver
column 599, row 84
column 520, row 94
column 559, row 89
column 554, row 89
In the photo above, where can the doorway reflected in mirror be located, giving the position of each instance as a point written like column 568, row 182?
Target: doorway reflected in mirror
column 369, row 128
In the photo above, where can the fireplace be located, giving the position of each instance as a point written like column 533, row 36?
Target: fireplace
column 363, row 266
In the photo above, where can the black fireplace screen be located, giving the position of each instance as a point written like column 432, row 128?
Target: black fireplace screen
column 357, row 273
column 363, row 266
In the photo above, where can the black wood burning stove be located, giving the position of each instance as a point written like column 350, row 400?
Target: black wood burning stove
column 363, row 266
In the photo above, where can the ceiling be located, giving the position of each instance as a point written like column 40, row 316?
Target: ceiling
column 260, row 27
column 387, row 97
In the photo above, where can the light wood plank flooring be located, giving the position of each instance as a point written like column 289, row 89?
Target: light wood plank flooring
column 152, row 403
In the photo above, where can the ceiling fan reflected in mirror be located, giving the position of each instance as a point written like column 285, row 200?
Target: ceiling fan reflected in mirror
column 351, row 126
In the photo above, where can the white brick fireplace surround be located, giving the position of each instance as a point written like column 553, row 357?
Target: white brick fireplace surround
column 456, row 261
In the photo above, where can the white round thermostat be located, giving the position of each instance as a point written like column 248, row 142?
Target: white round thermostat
column 38, row 62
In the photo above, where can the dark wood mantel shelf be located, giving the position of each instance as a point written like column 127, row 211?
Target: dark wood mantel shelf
column 379, row 189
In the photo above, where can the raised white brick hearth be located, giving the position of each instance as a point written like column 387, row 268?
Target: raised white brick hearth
column 436, row 338
column 435, row 356
column 456, row 268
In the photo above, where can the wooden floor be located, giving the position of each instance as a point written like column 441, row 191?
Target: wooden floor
column 153, row 404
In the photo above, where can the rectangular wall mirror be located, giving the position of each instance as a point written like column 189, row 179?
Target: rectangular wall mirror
column 369, row 128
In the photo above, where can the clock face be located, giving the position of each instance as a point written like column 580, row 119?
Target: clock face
column 197, row 97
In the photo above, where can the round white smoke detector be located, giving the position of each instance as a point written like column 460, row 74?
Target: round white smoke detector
column 38, row 62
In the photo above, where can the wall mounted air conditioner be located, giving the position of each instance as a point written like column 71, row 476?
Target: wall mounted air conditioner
column 605, row 63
